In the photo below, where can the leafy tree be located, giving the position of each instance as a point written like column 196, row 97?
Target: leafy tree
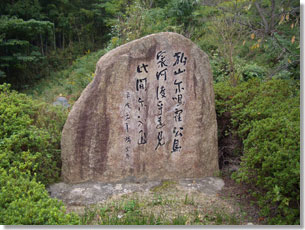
column 275, row 32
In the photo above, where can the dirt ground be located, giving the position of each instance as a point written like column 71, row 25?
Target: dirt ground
column 239, row 194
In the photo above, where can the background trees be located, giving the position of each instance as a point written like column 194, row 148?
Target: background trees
column 38, row 36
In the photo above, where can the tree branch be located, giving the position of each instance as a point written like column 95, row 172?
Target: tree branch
column 260, row 11
column 272, row 24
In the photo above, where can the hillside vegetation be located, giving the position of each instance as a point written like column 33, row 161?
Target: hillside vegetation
column 49, row 49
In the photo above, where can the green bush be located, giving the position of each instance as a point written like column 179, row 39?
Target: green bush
column 25, row 201
column 30, row 135
column 266, row 116
column 253, row 70
column 29, row 158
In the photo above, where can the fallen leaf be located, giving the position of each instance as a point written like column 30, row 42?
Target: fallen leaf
column 261, row 218
column 282, row 19
column 292, row 39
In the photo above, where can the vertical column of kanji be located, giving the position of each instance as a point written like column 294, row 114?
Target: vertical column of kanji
column 127, row 120
column 141, row 88
column 179, row 72
column 161, row 96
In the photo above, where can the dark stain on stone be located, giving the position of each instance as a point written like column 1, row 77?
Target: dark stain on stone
column 195, row 79
column 87, row 125
column 85, row 115
column 204, row 89
column 150, row 54
column 103, row 129
column 151, row 51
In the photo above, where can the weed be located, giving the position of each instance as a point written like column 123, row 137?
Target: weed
column 131, row 206
column 188, row 201
column 163, row 186
column 179, row 220
column 157, row 200
column 89, row 216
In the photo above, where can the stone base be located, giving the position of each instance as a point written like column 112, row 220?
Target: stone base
column 91, row 193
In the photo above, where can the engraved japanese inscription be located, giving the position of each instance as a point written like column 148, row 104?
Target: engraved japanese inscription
column 148, row 114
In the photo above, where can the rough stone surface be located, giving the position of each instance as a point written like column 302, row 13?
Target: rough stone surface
column 94, row 193
column 208, row 185
column 84, row 194
column 149, row 114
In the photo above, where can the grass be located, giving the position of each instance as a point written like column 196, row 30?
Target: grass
column 164, row 207
column 188, row 201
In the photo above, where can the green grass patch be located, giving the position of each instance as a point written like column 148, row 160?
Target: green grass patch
column 144, row 210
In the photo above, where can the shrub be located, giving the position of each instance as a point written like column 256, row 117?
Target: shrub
column 25, row 201
column 30, row 135
column 253, row 71
column 266, row 117
column 29, row 158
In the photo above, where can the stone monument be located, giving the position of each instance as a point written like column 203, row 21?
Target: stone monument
column 149, row 114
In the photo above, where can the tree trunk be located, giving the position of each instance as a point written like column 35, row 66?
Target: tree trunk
column 41, row 45
column 54, row 37
column 261, row 14
column 232, row 69
column 63, row 40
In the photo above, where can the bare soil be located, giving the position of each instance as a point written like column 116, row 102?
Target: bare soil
column 239, row 195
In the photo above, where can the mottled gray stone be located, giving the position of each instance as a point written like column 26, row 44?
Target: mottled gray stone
column 208, row 185
column 95, row 193
column 84, row 194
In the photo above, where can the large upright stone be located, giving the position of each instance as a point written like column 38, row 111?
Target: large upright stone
column 148, row 114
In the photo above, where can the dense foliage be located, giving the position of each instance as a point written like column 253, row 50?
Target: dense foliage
column 266, row 116
column 25, row 201
column 30, row 135
column 29, row 158
column 254, row 50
